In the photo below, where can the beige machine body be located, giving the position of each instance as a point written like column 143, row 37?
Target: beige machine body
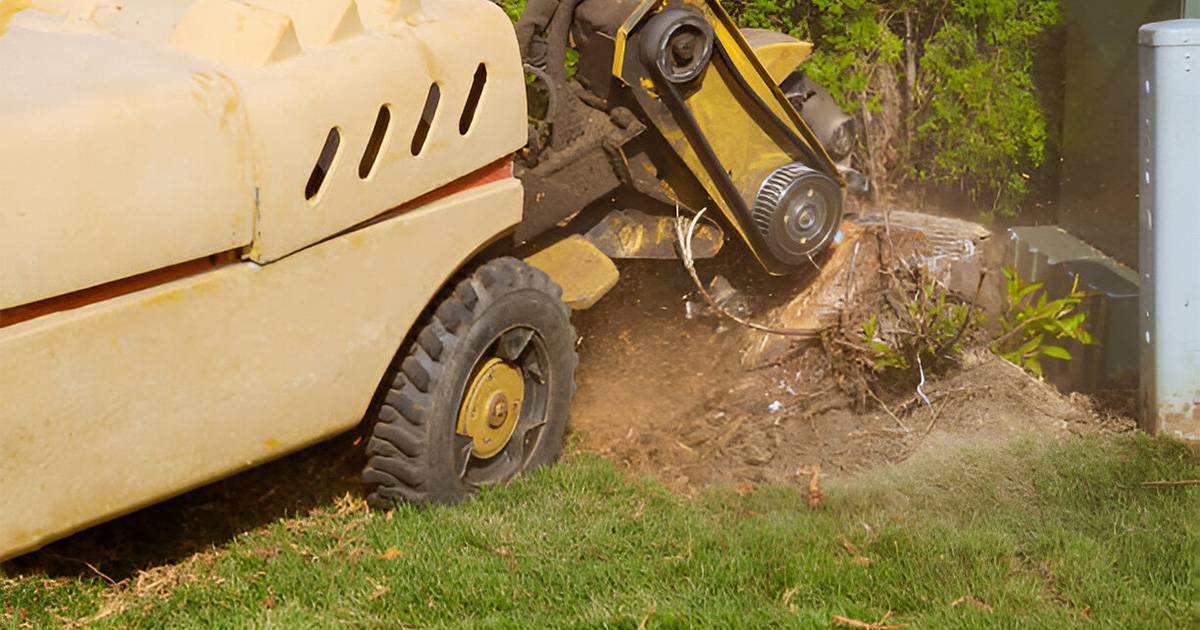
column 218, row 221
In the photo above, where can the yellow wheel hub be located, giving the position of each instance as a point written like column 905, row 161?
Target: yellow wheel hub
column 491, row 407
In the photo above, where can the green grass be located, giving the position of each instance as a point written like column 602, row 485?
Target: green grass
column 1035, row 531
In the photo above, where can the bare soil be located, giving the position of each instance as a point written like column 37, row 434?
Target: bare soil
column 665, row 395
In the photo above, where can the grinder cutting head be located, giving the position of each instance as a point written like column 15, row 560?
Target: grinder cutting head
column 697, row 119
column 700, row 84
column 797, row 210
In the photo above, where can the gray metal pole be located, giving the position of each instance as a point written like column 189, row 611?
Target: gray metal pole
column 1169, row 181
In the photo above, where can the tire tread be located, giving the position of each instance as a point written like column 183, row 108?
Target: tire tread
column 398, row 449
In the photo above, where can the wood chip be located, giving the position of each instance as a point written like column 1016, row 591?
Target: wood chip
column 815, row 495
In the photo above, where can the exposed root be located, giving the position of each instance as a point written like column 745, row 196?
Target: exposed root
column 684, row 231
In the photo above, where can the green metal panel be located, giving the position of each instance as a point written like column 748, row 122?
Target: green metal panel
column 1191, row 8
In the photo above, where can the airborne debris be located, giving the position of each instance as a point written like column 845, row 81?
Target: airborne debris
column 727, row 296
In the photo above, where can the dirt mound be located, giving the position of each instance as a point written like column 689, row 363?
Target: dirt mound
column 662, row 391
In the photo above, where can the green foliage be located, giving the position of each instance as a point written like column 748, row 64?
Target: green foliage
column 984, row 125
column 887, row 357
column 512, row 7
column 1032, row 324
column 930, row 331
column 964, row 103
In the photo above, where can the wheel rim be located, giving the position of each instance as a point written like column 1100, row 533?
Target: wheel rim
column 504, row 408
column 491, row 407
column 806, row 219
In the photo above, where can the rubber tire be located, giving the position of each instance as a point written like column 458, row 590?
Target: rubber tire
column 411, row 451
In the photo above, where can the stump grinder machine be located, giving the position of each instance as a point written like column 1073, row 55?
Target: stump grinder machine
column 230, row 229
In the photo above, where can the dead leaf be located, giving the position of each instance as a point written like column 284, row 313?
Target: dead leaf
column 106, row 611
column 641, row 509
column 861, row 561
column 378, row 592
column 267, row 554
column 391, row 554
column 348, row 504
column 1087, row 610
column 269, row 602
column 787, row 596
column 846, row 544
column 745, row 488
column 845, row 622
column 967, row 599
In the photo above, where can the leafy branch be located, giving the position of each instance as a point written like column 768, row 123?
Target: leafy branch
column 1033, row 323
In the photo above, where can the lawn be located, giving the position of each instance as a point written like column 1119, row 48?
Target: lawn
column 1030, row 534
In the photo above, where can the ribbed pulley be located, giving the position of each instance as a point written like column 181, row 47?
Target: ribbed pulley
column 797, row 210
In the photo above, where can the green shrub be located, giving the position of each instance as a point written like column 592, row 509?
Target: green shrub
column 944, row 88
